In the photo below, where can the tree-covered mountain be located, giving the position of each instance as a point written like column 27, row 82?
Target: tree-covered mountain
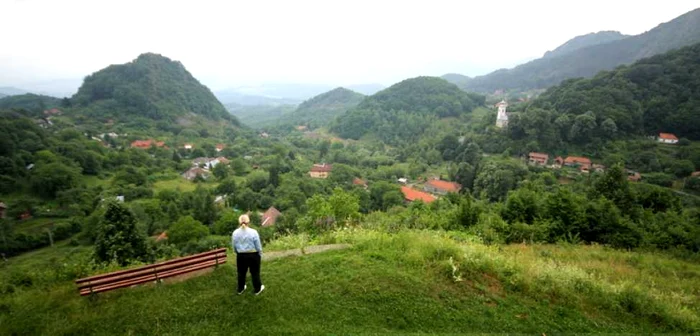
column 656, row 94
column 586, row 62
column 151, row 86
column 405, row 110
column 320, row 110
column 583, row 41
column 12, row 91
column 29, row 101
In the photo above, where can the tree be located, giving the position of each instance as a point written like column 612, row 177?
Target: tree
column 118, row 238
column 220, row 171
column 614, row 186
column 323, row 148
column 345, row 205
column 48, row 179
column 185, row 230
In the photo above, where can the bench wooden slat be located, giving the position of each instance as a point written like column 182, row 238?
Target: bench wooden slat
column 106, row 275
column 147, row 278
column 149, row 273
column 150, row 270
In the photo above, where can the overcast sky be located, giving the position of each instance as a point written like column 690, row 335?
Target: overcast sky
column 230, row 43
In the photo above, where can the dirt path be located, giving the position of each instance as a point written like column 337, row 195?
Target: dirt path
column 307, row 250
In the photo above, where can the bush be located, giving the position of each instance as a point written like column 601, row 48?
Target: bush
column 185, row 230
column 205, row 244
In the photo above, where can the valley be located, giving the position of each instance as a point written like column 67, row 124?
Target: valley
column 560, row 196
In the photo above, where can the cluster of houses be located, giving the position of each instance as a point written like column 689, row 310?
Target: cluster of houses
column 583, row 164
column 431, row 189
column 202, row 166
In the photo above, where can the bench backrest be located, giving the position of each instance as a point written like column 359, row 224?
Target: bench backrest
column 154, row 272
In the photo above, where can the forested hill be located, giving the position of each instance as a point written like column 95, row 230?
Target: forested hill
column 320, row 110
column 151, row 86
column 403, row 112
column 584, row 41
column 29, row 101
column 656, row 94
column 586, row 62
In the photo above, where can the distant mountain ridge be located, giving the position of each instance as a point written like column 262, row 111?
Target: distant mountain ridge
column 151, row 86
column 284, row 93
column 29, row 101
column 587, row 61
column 583, row 41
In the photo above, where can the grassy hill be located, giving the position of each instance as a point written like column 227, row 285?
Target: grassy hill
column 151, row 86
column 409, row 282
column 402, row 112
column 259, row 116
column 586, row 62
column 320, row 110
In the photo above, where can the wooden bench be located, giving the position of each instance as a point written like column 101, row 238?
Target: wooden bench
column 149, row 273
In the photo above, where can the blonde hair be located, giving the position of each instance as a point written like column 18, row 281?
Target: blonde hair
column 244, row 220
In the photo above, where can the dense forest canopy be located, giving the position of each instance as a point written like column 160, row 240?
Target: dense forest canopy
column 586, row 62
column 403, row 112
column 29, row 101
column 152, row 86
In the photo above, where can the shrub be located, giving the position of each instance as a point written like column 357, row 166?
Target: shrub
column 185, row 230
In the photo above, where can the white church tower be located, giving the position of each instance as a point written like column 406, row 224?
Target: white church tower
column 502, row 117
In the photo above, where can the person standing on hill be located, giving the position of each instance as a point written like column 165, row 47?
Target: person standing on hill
column 246, row 244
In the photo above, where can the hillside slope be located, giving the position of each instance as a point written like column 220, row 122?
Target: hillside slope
column 586, row 62
column 151, row 86
column 656, row 94
column 388, row 283
column 402, row 112
column 320, row 110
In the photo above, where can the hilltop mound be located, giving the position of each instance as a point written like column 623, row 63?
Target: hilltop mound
column 151, row 86
column 583, row 41
column 320, row 110
column 410, row 282
column 403, row 111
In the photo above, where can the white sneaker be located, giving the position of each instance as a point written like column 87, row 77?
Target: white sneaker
column 262, row 288
column 244, row 288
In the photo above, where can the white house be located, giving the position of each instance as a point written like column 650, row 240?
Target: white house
column 668, row 138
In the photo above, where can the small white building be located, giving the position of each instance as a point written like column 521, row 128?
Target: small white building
column 502, row 116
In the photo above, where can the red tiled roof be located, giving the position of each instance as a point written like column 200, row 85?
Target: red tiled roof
column 539, row 155
column 162, row 236
column 667, row 136
column 693, row 174
column 359, row 181
column 445, row 185
column 147, row 143
column 223, row 160
column 220, row 146
column 577, row 159
column 415, row 195
column 321, row 168
column 270, row 216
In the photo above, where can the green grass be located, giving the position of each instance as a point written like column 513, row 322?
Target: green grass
column 180, row 184
column 387, row 283
column 36, row 224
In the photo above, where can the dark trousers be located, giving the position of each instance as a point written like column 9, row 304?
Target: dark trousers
column 245, row 261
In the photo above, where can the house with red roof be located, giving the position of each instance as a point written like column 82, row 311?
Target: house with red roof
column 220, row 147
column 441, row 187
column 52, row 112
column 668, row 138
column 193, row 172
column 270, row 217
column 320, row 170
column 359, row 182
column 538, row 159
column 412, row 195
column 146, row 144
column 578, row 161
